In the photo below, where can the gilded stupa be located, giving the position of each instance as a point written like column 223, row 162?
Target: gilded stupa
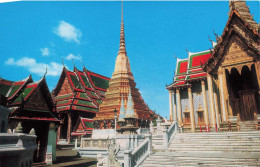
column 121, row 82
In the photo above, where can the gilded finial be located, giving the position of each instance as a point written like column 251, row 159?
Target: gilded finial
column 62, row 62
column 122, row 33
column 175, row 56
column 46, row 71
column 73, row 63
column 83, row 64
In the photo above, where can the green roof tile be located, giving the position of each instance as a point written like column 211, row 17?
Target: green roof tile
column 23, row 94
column 4, row 89
column 99, row 82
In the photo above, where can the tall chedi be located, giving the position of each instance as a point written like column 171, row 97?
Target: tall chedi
column 122, row 80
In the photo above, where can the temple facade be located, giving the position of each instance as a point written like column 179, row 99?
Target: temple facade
column 121, row 83
column 32, row 108
column 77, row 96
column 221, row 85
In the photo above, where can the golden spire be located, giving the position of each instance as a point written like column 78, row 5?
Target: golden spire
column 122, row 33
column 122, row 61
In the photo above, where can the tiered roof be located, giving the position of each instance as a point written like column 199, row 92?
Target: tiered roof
column 28, row 100
column 84, row 126
column 190, row 69
column 78, row 90
column 243, row 28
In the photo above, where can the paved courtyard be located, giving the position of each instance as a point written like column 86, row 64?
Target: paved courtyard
column 68, row 157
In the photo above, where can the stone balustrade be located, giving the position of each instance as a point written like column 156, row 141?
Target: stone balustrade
column 133, row 158
column 168, row 134
column 98, row 143
column 16, row 149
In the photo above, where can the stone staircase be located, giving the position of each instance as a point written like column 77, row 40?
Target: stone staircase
column 157, row 141
column 209, row 149
column 247, row 126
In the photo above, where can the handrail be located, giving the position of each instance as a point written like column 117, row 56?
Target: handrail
column 169, row 134
column 135, row 157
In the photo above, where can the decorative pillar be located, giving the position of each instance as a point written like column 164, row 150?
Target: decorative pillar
column 179, row 107
column 206, row 114
column 211, row 101
column 192, row 118
column 216, row 106
column 51, row 147
column 257, row 68
column 170, row 107
column 69, row 127
column 174, row 106
column 222, row 96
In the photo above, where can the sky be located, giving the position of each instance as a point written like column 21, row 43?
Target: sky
column 36, row 35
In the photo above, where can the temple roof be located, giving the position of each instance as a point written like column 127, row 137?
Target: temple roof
column 10, row 89
column 190, row 69
column 83, row 126
column 29, row 100
column 242, row 9
column 79, row 90
column 240, row 25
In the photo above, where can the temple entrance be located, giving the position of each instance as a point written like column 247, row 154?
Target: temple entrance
column 64, row 127
column 242, row 89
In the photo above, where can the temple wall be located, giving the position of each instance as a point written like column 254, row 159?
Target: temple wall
column 184, row 100
column 197, row 98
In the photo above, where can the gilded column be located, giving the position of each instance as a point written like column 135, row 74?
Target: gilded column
column 170, row 107
column 206, row 114
column 257, row 68
column 216, row 107
column 211, row 101
column 179, row 106
column 69, row 127
column 174, row 106
column 222, row 96
column 192, row 118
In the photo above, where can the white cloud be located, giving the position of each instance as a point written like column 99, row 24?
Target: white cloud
column 10, row 61
column 45, row 51
column 73, row 57
column 68, row 32
column 54, row 69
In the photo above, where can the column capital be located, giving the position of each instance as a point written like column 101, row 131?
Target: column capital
column 189, row 89
column 177, row 90
column 202, row 82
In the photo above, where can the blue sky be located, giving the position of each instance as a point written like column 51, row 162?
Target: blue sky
column 34, row 35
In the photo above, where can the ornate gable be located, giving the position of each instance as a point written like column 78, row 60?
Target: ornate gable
column 36, row 101
column 65, row 88
column 236, row 53
column 238, row 44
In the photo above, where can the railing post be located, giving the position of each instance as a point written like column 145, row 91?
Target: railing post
column 127, row 157
column 165, row 138
column 149, row 138
column 76, row 143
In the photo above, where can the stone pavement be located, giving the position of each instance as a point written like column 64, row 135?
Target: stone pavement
column 67, row 157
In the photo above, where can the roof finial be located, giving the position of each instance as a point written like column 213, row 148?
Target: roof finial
column 62, row 62
column 122, row 33
column 83, row 64
column 122, row 13
column 175, row 56
column 45, row 71
column 216, row 36
column 73, row 63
